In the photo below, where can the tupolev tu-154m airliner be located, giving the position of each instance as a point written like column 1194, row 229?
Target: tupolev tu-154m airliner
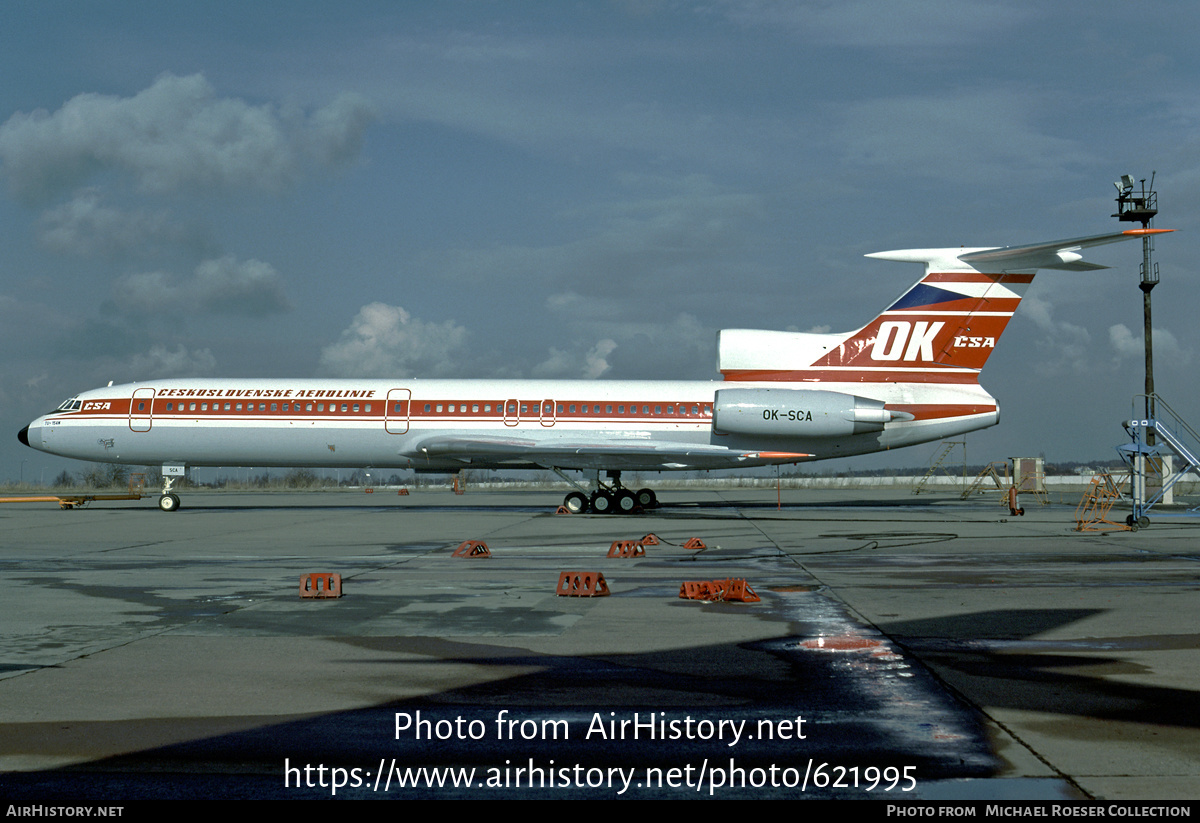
column 909, row 376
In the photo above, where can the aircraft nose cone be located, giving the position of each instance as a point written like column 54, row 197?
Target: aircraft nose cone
column 23, row 435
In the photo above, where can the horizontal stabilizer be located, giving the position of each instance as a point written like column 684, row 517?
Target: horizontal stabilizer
column 1055, row 254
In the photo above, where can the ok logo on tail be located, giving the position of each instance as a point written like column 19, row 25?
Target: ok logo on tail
column 902, row 340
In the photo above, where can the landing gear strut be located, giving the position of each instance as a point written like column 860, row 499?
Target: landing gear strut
column 607, row 499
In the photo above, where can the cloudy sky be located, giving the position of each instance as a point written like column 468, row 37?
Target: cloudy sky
column 580, row 189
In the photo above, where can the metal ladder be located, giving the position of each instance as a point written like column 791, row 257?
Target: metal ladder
column 1173, row 432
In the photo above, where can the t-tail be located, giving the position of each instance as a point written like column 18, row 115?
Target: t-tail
column 942, row 330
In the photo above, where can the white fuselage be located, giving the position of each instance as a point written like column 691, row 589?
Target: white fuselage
column 445, row 425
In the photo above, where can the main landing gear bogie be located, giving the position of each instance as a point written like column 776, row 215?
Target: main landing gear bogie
column 610, row 500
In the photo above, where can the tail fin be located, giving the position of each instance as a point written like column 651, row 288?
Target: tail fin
column 942, row 330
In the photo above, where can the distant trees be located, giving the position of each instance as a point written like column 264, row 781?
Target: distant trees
column 104, row 476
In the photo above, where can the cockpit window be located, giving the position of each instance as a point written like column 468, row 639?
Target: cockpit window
column 70, row 404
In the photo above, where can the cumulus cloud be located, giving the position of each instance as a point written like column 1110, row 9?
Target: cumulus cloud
column 1130, row 346
column 1065, row 347
column 225, row 285
column 161, row 362
column 85, row 227
column 590, row 364
column 386, row 341
column 176, row 134
column 662, row 347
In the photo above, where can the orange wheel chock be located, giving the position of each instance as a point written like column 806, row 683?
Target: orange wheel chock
column 649, row 540
column 562, row 510
column 320, row 585
column 694, row 543
column 730, row 590
column 738, row 590
column 403, row 492
column 472, row 548
column 697, row 590
column 582, row 584
column 368, row 490
column 627, row 548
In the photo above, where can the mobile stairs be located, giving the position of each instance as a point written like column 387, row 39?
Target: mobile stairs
column 1163, row 450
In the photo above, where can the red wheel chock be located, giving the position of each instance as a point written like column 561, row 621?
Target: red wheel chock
column 320, row 585
column 627, row 548
column 733, row 589
column 403, row 492
column 582, row 584
column 562, row 510
column 650, row 540
column 694, row 543
column 472, row 548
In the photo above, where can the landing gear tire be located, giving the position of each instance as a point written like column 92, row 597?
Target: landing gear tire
column 625, row 501
column 576, row 503
column 646, row 498
column 1141, row 522
column 602, row 502
column 169, row 502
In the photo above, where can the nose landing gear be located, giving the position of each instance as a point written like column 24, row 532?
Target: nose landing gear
column 168, row 501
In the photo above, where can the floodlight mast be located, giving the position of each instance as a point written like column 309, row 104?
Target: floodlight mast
column 1140, row 208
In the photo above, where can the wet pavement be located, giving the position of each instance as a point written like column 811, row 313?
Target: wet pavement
column 903, row 648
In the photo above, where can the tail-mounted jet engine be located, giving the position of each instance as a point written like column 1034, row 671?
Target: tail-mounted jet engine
column 799, row 413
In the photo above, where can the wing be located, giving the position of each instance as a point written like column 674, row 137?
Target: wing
column 615, row 453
